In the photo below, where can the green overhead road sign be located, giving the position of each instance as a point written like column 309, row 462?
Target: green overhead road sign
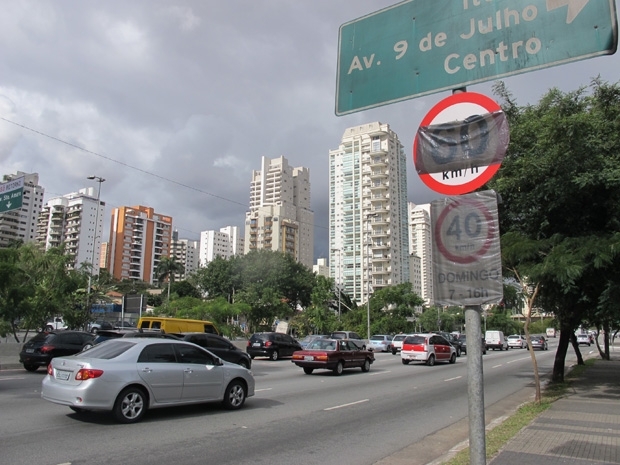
column 418, row 47
column 11, row 195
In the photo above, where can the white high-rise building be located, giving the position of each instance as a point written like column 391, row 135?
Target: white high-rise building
column 21, row 224
column 421, row 246
column 223, row 243
column 280, row 217
column 76, row 220
column 368, row 223
column 185, row 252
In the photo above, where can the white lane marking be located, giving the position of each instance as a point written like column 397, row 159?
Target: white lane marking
column 518, row 360
column 13, row 377
column 497, row 366
column 379, row 372
column 260, row 390
column 452, row 379
column 347, row 405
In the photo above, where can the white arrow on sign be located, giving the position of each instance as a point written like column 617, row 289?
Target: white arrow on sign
column 574, row 7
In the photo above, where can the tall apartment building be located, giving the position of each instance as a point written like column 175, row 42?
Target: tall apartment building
column 139, row 238
column 368, row 223
column 185, row 252
column 421, row 245
column 21, row 224
column 223, row 243
column 75, row 219
column 280, row 217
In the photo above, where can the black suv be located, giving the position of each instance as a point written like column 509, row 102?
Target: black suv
column 42, row 348
column 219, row 346
column 272, row 345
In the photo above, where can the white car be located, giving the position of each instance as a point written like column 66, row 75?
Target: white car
column 55, row 324
column 128, row 376
column 427, row 348
column 380, row 343
column 516, row 341
column 583, row 339
column 397, row 343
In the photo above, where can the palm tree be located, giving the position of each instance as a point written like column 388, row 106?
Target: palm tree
column 166, row 268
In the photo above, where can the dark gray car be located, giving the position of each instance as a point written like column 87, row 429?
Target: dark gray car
column 219, row 346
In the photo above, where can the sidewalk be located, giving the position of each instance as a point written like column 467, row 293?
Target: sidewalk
column 581, row 428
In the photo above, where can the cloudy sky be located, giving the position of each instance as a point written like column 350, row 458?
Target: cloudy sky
column 175, row 102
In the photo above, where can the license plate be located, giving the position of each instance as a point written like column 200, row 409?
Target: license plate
column 29, row 351
column 309, row 358
column 62, row 375
column 256, row 344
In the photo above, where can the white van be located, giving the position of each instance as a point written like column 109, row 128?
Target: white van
column 496, row 340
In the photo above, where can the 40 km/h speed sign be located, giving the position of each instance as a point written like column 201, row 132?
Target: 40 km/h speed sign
column 461, row 143
column 466, row 252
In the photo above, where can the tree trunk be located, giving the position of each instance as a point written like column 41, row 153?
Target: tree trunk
column 573, row 341
column 560, row 355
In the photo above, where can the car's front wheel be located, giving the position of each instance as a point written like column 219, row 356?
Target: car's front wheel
column 244, row 363
column 308, row 370
column 339, row 369
column 366, row 366
column 235, row 395
column 130, row 405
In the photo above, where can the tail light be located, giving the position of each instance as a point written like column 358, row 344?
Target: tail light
column 88, row 373
column 46, row 348
column 50, row 370
column 249, row 344
column 268, row 344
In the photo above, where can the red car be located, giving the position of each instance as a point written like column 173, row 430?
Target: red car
column 333, row 354
column 427, row 348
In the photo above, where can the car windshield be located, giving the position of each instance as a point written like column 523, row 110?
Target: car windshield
column 323, row 344
column 107, row 350
column 415, row 340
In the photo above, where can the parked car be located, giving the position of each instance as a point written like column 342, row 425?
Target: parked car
column 120, row 324
column 219, row 346
column 516, row 341
column 55, row 324
column 99, row 325
column 397, row 343
column 463, row 341
column 380, row 342
column 333, row 354
column 427, row 348
column 128, row 376
column 44, row 346
column 539, row 342
column 272, row 345
column 583, row 338
column 310, row 338
column 351, row 336
column 495, row 340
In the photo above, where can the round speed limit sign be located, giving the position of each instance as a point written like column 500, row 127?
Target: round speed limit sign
column 465, row 231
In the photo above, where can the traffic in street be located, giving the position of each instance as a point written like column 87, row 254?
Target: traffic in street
column 363, row 416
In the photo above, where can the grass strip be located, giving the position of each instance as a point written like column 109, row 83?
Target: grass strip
column 499, row 436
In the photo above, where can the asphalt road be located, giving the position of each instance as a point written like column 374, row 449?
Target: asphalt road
column 357, row 418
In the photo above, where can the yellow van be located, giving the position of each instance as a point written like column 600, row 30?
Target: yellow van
column 176, row 325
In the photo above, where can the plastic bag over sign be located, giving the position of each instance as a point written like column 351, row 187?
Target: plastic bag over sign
column 478, row 141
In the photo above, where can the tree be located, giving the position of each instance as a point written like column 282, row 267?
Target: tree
column 560, row 210
column 166, row 269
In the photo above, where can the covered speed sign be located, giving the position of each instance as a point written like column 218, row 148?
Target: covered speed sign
column 467, row 263
column 461, row 143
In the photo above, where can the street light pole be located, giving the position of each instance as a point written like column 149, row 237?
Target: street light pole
column 100, row 180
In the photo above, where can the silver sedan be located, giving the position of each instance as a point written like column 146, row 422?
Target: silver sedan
column 127, row 376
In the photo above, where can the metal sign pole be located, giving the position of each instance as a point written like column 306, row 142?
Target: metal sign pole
column 475, row 386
